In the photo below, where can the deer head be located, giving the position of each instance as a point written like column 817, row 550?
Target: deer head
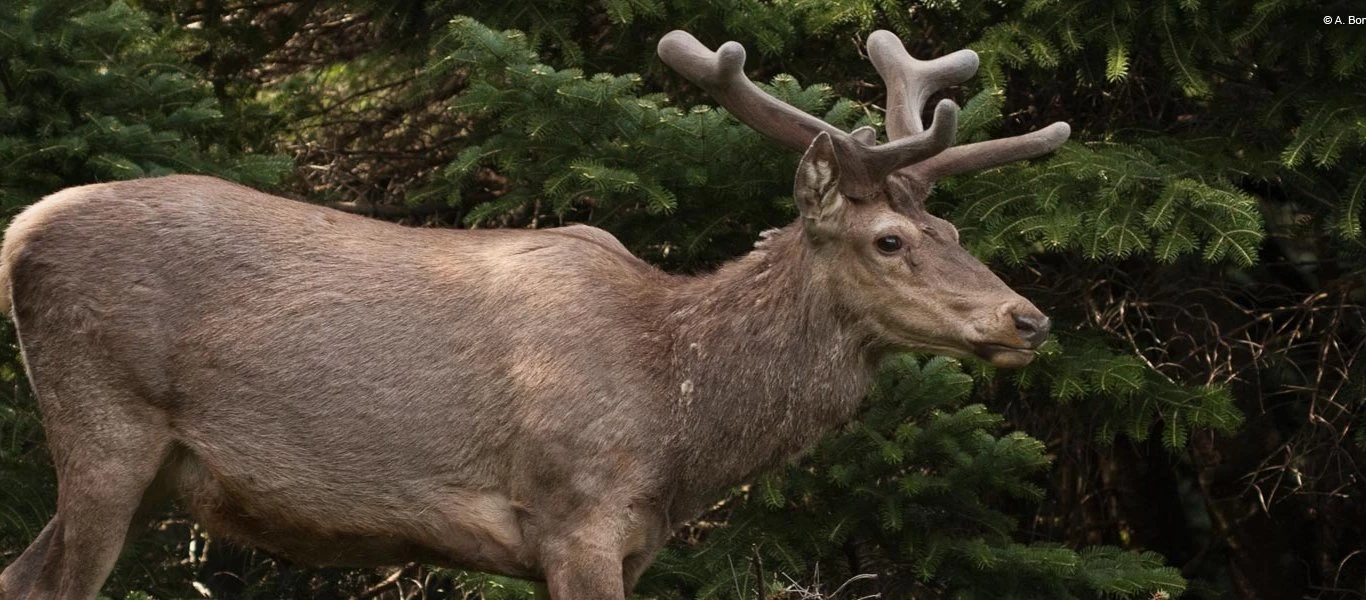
column 896, row 268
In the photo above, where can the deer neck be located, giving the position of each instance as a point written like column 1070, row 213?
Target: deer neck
column 763, row 364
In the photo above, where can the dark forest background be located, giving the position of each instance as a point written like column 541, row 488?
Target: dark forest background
column 1195, row 427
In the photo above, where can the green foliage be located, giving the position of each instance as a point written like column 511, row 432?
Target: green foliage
column 595, row 148
column 92, row 91
column 908, row 492
column 1136, row 398
column 484, row 586
column 1107, row 201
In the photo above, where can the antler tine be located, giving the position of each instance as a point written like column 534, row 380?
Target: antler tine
column 992, row 153
column 721, row 74
column 910, row 82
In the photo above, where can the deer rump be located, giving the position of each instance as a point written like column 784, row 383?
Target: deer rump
column 338, row 390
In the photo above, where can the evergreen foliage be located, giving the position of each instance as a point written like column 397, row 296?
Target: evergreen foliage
column 93, row 92
column 906, row 493
column 593, row 148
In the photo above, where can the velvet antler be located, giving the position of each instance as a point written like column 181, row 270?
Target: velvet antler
column 721, row 74
column 910, row 82
column 926, row 154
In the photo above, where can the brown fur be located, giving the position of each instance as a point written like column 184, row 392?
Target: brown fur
column 540, row 404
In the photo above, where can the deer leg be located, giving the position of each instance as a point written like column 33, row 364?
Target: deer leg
column 75, row 552
column 97, row 499
column 107, row 445
column 584, row 572
column 633, row 567
column 19, row 578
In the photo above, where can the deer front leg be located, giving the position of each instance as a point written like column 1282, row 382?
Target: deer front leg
column 582, row 568
column 634, row 566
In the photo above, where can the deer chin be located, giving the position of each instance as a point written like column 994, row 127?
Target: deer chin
column 1005, row 357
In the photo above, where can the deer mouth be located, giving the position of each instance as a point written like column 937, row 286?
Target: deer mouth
column 1001, row 355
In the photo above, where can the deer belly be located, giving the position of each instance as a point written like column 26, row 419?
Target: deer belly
column 339, row 525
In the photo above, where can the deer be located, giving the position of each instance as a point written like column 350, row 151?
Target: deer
column 536, row 403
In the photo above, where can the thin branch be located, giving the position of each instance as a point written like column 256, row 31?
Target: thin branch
column 388, row 582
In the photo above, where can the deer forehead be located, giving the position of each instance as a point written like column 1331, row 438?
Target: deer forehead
column 893, row 223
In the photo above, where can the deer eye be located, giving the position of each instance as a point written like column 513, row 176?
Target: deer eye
column 888, row 244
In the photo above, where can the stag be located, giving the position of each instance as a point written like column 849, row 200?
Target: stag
column 539, row 404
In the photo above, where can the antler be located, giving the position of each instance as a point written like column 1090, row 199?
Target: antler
column 924, row 154
column 721, row 74
column 910, row 82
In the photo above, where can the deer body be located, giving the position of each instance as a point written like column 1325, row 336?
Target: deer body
column 322, row 372
column 343, row 391
column 534, row 403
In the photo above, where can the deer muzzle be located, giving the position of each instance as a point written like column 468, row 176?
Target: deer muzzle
column 1031, row 329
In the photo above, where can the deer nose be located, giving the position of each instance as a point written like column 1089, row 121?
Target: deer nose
column 1032, row 328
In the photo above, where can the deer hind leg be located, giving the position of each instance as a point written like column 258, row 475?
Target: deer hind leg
column 18, row 579
column 108, row 445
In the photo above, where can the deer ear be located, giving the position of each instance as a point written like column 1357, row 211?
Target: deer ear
column 817, row 188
